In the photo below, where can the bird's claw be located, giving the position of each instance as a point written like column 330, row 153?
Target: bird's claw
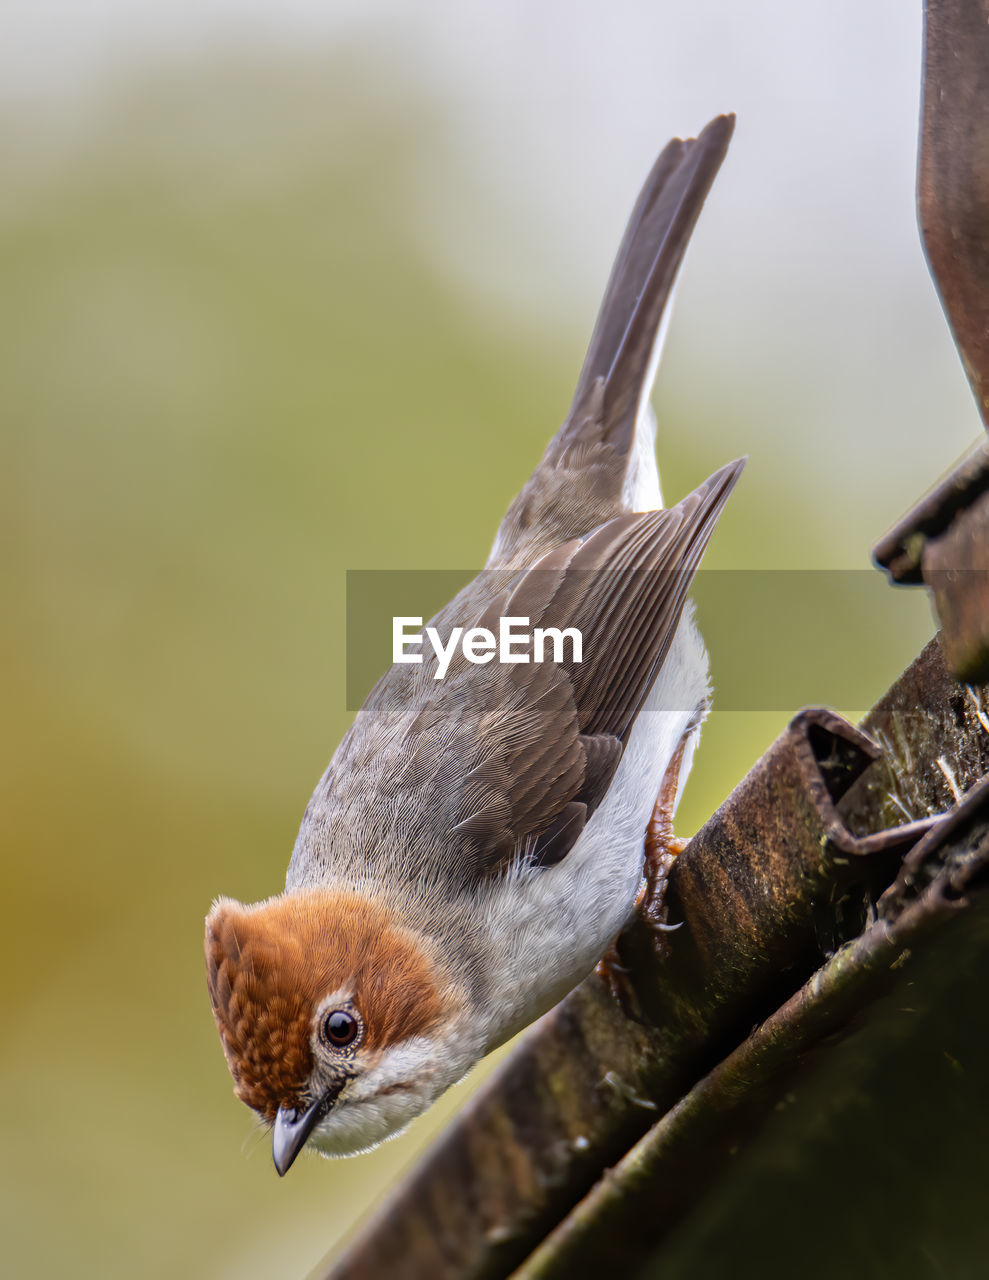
column 662, row 848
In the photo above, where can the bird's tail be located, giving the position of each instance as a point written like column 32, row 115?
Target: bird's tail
column 581, row 480
column 624, row 349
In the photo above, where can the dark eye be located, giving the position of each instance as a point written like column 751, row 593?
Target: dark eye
column 340, row 1028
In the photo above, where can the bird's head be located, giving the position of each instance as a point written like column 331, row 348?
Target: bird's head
column 338, row 1025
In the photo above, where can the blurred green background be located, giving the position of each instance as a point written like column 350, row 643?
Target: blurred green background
column 283, row 296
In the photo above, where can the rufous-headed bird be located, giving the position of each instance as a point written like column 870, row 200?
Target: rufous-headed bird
column 478, row 840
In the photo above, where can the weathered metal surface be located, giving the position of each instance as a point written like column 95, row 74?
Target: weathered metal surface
column 627, row 1216
column 953, row 176
column 783, row 873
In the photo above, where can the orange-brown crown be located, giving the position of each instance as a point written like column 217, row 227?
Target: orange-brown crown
column 270, row 965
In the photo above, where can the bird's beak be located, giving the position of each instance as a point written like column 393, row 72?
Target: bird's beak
column 292, row 1128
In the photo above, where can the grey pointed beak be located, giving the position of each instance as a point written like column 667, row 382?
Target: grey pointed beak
column 292, row 1128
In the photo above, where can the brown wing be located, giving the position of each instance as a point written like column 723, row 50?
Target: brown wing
column 624, row 588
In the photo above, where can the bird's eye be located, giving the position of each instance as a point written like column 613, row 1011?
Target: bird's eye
column 340, row 1028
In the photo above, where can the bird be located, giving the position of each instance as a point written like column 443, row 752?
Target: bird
column 478, row 841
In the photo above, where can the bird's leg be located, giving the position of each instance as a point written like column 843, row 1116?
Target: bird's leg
column 661, row 850
column 662, row 847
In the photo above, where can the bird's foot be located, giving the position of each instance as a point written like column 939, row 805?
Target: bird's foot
column 662, row 848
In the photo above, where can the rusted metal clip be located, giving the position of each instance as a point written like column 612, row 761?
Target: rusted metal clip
column 832, row 754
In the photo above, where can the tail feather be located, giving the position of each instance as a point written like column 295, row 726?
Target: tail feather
column 623, row 348
column 602, row 461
